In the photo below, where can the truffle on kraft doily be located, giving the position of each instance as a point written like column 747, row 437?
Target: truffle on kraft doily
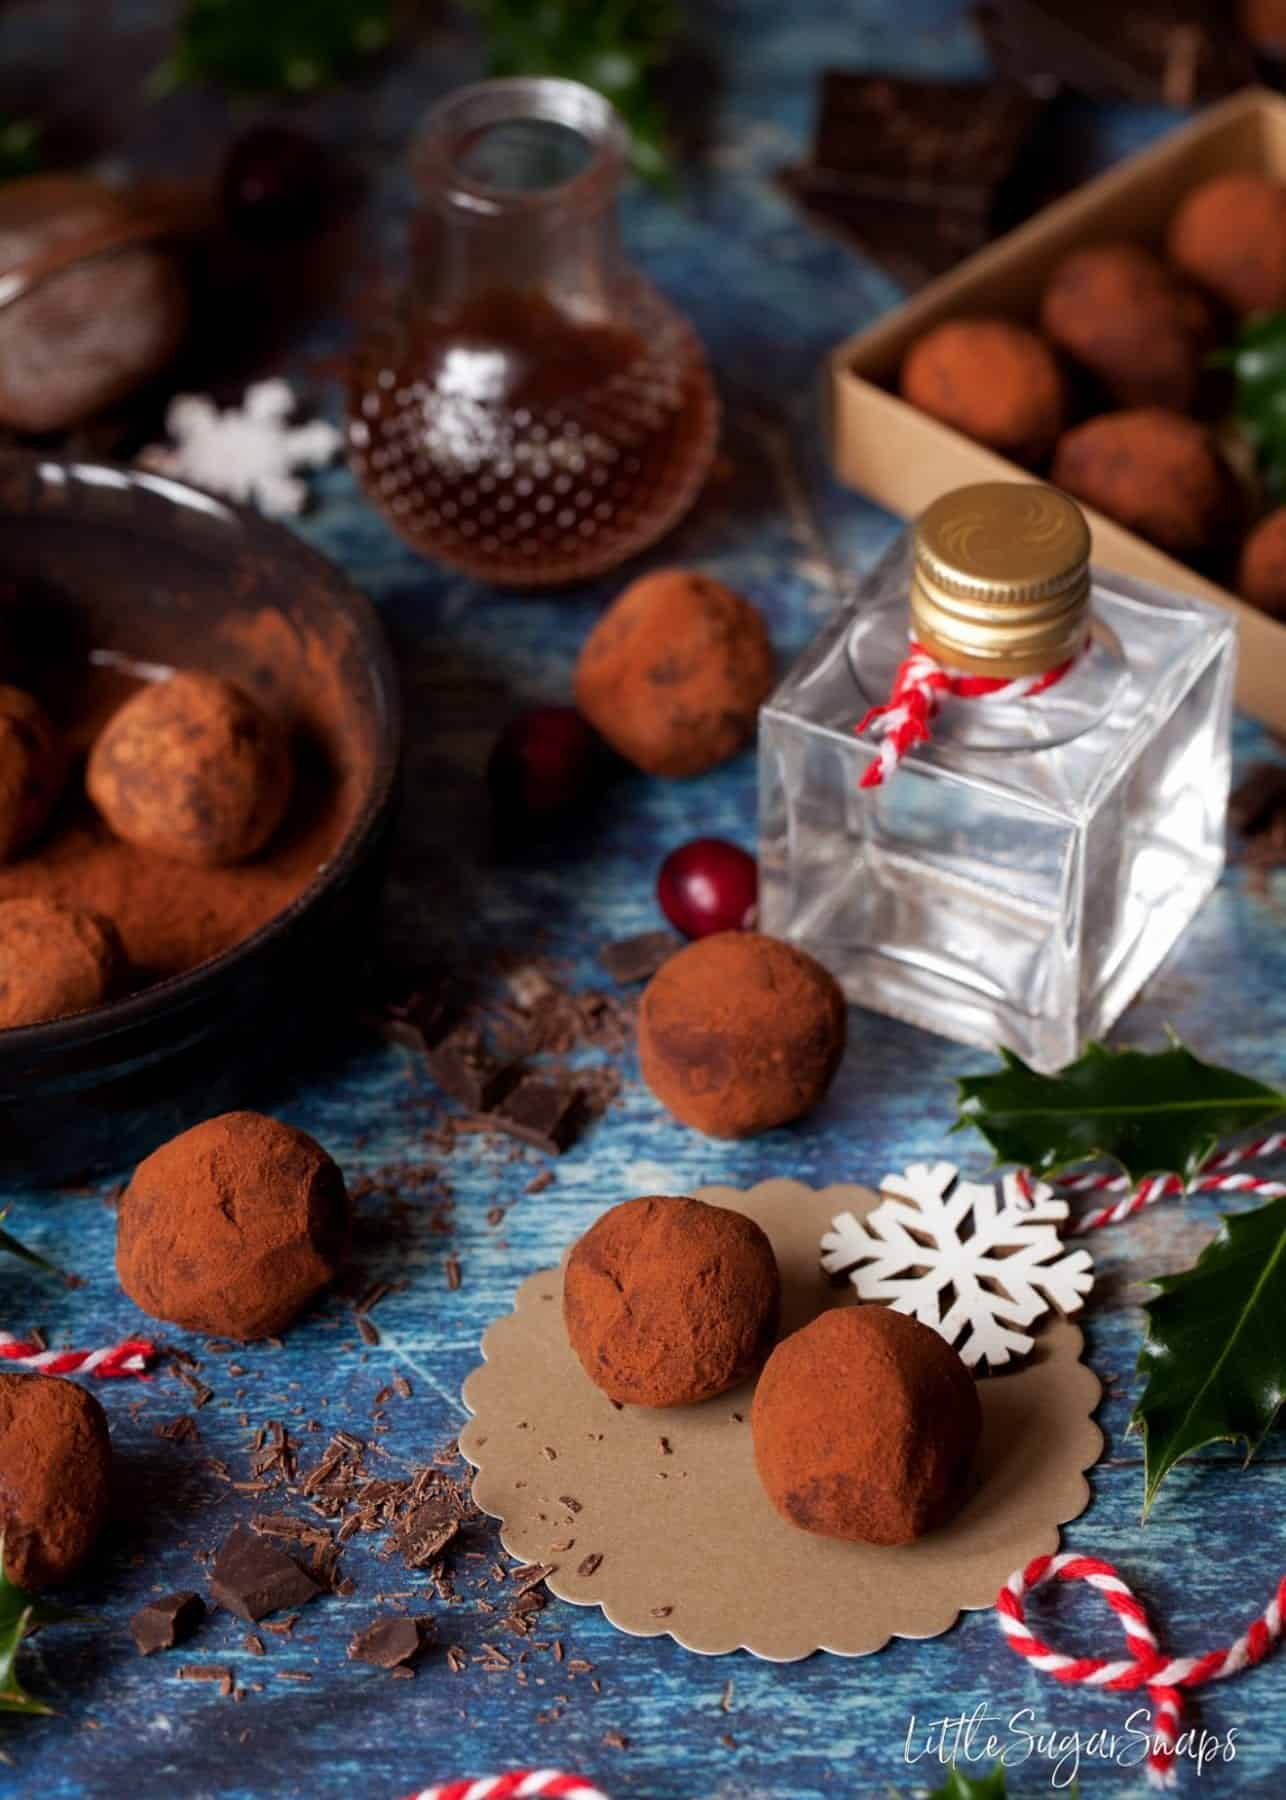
column 669, row 1301
column 674, row 673
column 191, row 768
column 865, row 1426
column 232, row 1227
column 54, row 960
column 740, row 1032
column 33, row 764
column 55, row 1477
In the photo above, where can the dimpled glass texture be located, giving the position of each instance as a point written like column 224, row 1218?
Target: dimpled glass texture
column 531, row 410
column 1015, row 881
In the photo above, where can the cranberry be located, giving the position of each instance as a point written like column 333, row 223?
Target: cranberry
column 708, row 885
column 275, row 184
column 541, row 765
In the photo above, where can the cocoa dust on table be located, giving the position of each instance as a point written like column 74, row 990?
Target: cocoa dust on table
column 171, row 916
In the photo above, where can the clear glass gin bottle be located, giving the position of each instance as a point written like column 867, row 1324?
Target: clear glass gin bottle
column 1014, row 880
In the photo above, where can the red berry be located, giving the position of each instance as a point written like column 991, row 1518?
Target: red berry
column 707, row 886
column 541, row 764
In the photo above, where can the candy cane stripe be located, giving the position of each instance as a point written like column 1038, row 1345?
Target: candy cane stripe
column 130, row 1357
column 1161, row 1675
column 519, row 1784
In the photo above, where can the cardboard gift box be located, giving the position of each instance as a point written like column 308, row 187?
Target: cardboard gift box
column 903, row 459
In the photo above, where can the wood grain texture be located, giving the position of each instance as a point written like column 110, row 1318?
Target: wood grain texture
column 770, row 297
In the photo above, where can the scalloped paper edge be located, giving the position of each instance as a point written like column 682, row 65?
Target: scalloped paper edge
column 690, row 1530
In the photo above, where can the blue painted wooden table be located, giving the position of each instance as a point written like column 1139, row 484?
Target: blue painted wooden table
column 770, row 296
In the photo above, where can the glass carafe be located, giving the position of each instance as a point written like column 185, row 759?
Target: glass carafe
column 533, row 411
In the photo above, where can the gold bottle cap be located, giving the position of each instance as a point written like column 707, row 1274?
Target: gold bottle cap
column 1002, row 582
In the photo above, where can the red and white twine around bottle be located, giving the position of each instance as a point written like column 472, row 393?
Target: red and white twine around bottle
column 919, row 688
column 130, row 1357
column 1146, row 1666
column 520, row 1784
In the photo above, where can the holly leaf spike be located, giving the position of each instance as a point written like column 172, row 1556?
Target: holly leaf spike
column 959, row 1786
column 1151, row 1111
column 20, row 1615
column 1214, row 1355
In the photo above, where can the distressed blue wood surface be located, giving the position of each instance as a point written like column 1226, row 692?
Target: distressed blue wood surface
column 770, row 297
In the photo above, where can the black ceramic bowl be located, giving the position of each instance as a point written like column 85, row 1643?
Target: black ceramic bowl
column 107, row 560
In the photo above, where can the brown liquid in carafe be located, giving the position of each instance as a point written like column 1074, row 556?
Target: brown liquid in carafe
column 525, row 446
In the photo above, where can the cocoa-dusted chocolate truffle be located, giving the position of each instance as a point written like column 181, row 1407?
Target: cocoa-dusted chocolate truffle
column 671, row 1301
column 865, row 1426
column 232, row 1227
column 1144, row 332
column 55, row 1477
column 740, row 1032
column 674, row 673
column 996, row 381
column 1153, row 471
column 1230, row 235
column 54, row 960
column 33, row 763
column 193, row 769
column 1261, row 573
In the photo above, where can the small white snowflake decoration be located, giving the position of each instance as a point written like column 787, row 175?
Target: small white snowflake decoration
column 977, row 1261
column 248, row 452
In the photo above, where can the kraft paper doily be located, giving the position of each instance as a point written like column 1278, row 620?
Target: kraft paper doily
column 657, row 1515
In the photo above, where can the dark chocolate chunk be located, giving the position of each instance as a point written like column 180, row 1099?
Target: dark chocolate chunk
column 540, row 1112
column 1178, row 52
column 914, row 171
column 387, row 1642
column 638, row 958
column 464, row 1068
column 252, row 1577
column 162, row 1624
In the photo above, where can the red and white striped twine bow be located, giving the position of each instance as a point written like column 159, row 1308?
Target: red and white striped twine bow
column 129, row 1357
column 1213, row 1177
column 919, row 688
column 1146, row 1666
column 521, row 1784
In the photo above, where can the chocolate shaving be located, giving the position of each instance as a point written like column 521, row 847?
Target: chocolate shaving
column 590, row 1565
column 638, row 958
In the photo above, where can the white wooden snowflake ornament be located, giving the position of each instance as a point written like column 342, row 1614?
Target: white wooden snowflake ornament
column 977, row 1261
column 247, row 452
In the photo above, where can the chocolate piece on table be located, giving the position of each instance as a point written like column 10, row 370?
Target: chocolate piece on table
column 1178, row 52
column 387, row 1643
column 426, row 1534
column 465, row 1069
column 638, row 958
column 540, row 1112
column 252, row 1577
column 162, row 1624
column 913, row 171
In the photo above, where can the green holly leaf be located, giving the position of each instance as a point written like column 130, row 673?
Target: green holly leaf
column 959, row 1786
column 20, row 1615
column 1257, row 359
column 15, row 1247
column 289, row 45
column 1152, row 1111
column 615, row 46
column 1215, row 1355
